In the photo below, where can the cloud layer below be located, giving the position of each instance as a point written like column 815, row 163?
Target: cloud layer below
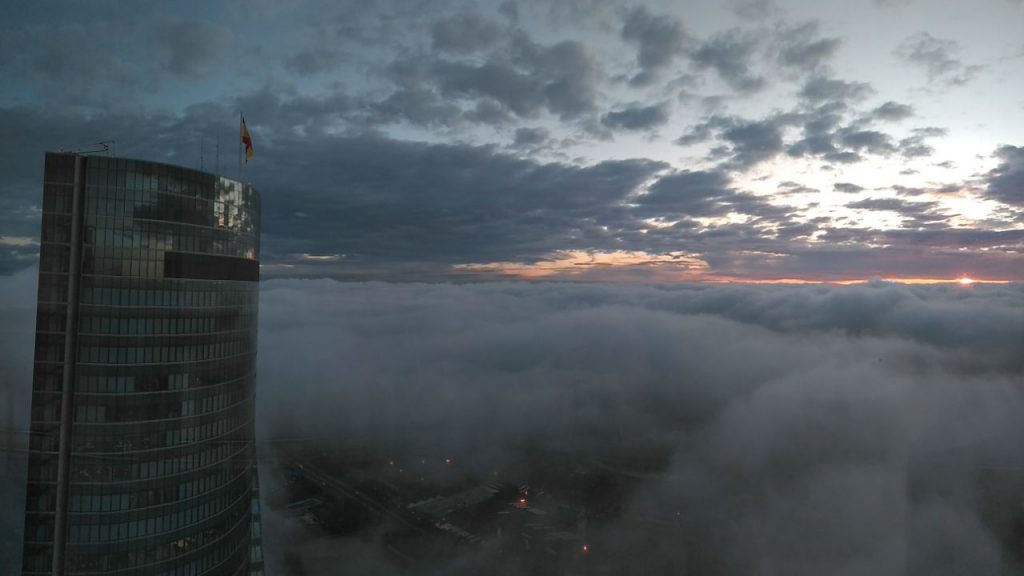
column 863, row 429
column 842, row 430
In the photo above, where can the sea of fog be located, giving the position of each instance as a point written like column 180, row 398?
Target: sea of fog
column 868, row 429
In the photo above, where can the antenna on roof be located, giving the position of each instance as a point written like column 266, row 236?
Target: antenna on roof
column 105, row 147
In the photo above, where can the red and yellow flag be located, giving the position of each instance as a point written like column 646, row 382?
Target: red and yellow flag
column 247, row 142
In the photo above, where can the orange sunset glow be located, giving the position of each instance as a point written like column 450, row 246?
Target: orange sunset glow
column 675, row 267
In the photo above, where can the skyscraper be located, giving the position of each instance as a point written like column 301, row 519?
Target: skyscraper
column 141, row 452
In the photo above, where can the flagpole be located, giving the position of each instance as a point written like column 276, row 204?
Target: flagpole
column 241, row 119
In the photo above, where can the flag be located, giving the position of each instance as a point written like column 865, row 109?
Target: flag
column 247, row 142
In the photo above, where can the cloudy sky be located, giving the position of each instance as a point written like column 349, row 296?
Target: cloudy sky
column 587, row 139
column 608, row 141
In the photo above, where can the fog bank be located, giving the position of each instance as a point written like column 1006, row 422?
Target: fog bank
column 842, row 430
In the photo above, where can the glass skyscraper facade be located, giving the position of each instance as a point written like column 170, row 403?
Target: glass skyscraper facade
column 141, row 455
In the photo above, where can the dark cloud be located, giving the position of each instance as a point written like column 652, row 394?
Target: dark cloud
column 660, row 39
column 488, row 111
column 802, row 49
column 823, row 89
column 938, row 58
column 790, row 187
column 510, row 10
column 190, row 47
column 692, row 193
column 314, row 61
column 756, row 10
column 847, row 187
column 379, row 201
column 730, row 54
column 892, row 112
column 570, row 76
column 926, row 221
column 531, row 136
column 748, row 142
column 384, row 201
column 357, row 25
column 825, row 136
column 520, row 91
column 704, row 131
column 843, row 253
column 754, row 142
column 930, row 132
column 961, row 238
column 892, row 205
column 606, row 13
column 1005, row 183
column 637, row 117
column 841, row 157
column 76, row 64
column 835, row 131
column 417, row 105
column 561, row 79
column 701, row 194
column 487, row 74
column 384, row 208
column 465, row 33
column 819, row 126
column 871, row 141
column 916, row 145
column 276, row 109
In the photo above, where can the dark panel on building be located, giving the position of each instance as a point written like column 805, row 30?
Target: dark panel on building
column 207, row 267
